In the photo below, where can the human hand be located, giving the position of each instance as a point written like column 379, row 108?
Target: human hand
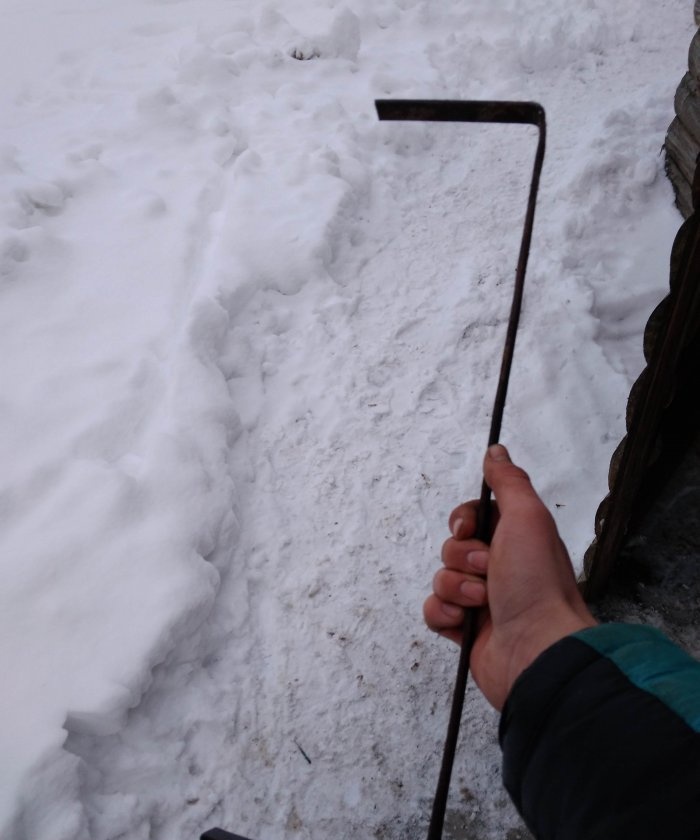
column 523, row 583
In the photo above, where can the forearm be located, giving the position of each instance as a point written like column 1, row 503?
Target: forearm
column 601, row 738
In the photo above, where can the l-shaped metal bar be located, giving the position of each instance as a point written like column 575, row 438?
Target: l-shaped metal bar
column 524, row 113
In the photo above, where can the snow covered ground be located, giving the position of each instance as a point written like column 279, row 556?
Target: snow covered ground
column 250, row 338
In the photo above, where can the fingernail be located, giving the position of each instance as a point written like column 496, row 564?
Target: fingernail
column 496, row 452
column 456, row 526
column 471, row 590
column 452, row 611
column 478, row 560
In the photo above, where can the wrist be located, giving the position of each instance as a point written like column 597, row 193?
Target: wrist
column 542, row 632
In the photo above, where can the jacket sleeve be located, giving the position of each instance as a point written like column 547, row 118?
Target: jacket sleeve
column 601, row 738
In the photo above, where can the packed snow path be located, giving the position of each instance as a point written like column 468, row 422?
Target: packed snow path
column 250, row 343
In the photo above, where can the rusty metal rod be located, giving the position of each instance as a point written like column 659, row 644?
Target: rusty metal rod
column 525, row 113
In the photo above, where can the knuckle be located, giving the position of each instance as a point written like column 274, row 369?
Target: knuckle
column 428, row 611
column 439, row 582
column 452, row 554
column 516, row 474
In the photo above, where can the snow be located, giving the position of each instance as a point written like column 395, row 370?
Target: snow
column 250, row 338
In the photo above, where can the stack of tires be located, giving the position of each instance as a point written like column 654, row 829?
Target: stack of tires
column 683, row 138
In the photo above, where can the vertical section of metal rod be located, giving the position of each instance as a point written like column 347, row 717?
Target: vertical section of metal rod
column 484, row 525
column 529, row 113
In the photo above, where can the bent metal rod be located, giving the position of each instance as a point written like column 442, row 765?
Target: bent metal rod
column 524, row 113
column 515, row 113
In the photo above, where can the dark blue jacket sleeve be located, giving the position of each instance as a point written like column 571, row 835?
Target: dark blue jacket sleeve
column 601, row 738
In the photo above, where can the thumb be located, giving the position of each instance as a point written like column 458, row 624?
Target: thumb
column 510, row 484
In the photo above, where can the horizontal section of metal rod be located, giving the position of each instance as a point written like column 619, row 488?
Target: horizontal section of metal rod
column 449, row 110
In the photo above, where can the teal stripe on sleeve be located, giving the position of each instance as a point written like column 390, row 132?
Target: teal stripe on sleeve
column 651, row 662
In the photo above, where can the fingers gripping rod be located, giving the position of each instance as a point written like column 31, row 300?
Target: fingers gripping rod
column 524, row 113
